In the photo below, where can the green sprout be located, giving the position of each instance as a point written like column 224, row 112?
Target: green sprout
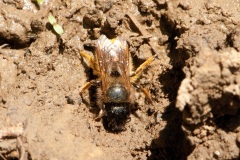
column 52, row 20
column 57, row 28
column 40, row 2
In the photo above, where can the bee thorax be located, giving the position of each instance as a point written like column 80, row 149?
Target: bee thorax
column 117, row 93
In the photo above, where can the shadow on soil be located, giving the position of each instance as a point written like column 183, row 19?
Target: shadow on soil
column 171, row 143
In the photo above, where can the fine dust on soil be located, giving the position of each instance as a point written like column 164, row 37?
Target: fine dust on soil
column 194, row 81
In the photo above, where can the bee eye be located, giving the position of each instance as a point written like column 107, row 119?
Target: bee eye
column 117, row 93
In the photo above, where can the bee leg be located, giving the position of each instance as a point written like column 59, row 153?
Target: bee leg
column 140, row 69
column 144, row 90
column 100, row 115
column 88, row 85
column 92, row 63
column 86, row 56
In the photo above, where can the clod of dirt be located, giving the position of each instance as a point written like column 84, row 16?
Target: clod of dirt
column 92, row 19
column 235, row 38
column 46, row 42
column 200, row 24
column 8, row 148
column 37, row 26
column 146, row 6
column 198, row 37
column 104, row 5
column 143, row 52
column 14, row 25
column 209, row 91
column 17, row 3
column 113, row 20
column 211, row 87
column 112, row 23
column 216, row 145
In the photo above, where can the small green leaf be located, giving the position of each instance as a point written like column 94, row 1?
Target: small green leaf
column 58, row 29
column 52, row 20
column 40, row 2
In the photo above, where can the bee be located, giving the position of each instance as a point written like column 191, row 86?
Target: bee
column 111, row 64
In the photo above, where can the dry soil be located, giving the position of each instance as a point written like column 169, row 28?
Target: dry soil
column 194, row 81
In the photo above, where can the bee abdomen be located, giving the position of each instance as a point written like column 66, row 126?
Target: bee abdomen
column 117, row 115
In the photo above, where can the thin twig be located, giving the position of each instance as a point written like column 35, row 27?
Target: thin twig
column 4, row 45
column 12, row 131
column 2, row 157
column 137, row 24
column 22, row 149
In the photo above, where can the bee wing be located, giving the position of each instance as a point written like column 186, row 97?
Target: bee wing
column 113, row 60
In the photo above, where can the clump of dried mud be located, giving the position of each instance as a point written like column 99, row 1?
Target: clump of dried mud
column 194, row 81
